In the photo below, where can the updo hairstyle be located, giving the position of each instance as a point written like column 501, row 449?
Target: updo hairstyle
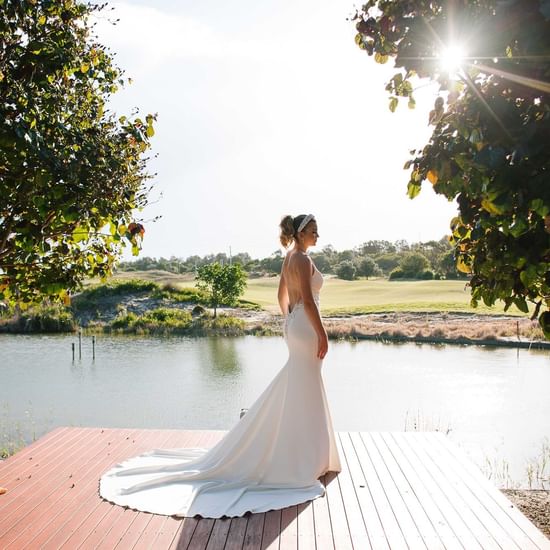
column 289, row 227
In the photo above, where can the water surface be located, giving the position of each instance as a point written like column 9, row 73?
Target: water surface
column 494, row 401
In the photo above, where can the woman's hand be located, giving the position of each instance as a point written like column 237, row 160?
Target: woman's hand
column 322, row 346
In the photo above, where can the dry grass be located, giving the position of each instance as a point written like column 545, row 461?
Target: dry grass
column 436, row 326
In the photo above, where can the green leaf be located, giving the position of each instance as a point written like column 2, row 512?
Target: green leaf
column 393, row 104
column 521, row 304
column 413, row 189
column 544, row 322
column 380, row 58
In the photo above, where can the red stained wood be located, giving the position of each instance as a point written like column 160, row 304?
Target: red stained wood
column 393, row 488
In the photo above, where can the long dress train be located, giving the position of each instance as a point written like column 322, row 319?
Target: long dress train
column 272, row 458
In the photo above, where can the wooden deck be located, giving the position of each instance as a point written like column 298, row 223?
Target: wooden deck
column 396, row 491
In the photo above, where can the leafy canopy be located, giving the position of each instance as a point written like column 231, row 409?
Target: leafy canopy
column 491, row 139
column 71, row 174
column 224, row 284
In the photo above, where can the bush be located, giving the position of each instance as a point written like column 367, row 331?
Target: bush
column 426, row 275
column 50, row 318
column 388, row 262
column 414, row 264
column 154, row 321
column 346, row 270
column 368, row 267
column 397, row 274
column 90, row 296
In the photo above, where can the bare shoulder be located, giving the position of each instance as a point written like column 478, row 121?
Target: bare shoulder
column 298, row 261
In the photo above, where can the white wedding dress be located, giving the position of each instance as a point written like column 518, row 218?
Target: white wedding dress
column 272, row 458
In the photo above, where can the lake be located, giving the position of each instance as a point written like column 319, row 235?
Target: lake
column 494, row 401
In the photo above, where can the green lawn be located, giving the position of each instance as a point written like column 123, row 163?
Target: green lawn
column 362, row 296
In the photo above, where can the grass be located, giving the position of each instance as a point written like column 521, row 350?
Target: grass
column 165, row 320
column 357, row 297
column 45, row 318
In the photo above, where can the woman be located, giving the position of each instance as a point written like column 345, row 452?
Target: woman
column 274, row 456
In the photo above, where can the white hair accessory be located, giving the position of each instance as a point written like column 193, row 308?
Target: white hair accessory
column 305, row 221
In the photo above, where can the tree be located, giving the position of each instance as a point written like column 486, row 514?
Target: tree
column 224, row 284
column 413, row 264
column 346, row 270
column 71, row 174
column 387, row 262
column 489, row 148
column 368, row 267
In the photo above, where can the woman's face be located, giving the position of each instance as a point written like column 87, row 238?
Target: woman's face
column 309, row 234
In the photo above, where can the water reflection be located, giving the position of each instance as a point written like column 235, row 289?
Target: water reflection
column 221, row 357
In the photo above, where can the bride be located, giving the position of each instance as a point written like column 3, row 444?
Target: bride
column 275, row 454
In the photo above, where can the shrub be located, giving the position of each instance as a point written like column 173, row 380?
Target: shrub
column 47, row 318
column 155, row 321
column 396, row 274
column 346, row 270
column 413, row 264
column 89, row 296
column 426, row 275
column 368, row 267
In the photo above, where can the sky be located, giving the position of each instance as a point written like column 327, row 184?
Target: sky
column 267, row 108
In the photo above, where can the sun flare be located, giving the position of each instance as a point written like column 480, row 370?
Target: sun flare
column 452, row 58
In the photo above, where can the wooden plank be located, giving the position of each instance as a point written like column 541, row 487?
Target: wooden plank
column 272, row 530
column 35, row 513
column 340, row 528
column 134, row 531
column 381, row 475
column 289, row 528
column 421, row 530
column 382, row 503
column 254, row 532
column 136, row 444
column 323, row 525
column 218, row 535
column 518, row 528
column 237, row 531
column 306, row 526
column 467, row 528
column 85, row 510
column 183, row 534
column 415, row 477
column 177, row 532
column 36, row 448
column 40, row 466
column 352, row 509
column 369, row 511
column 473, row 513
column 200, row 537
column 151, row 532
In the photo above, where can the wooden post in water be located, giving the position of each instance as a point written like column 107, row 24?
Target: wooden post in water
column 93, row 348
column 80, row 344
column 72, row 346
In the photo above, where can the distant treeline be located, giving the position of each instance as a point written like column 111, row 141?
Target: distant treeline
column 396, row 260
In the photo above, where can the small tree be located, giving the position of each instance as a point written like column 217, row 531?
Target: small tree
column 368, row 267
column 413, row 264
column 224, row 284
column 346, row 270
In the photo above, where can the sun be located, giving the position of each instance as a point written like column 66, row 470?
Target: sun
column 451, row 59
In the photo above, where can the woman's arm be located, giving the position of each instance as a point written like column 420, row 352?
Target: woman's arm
column 282, row 294
column 304, row 265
